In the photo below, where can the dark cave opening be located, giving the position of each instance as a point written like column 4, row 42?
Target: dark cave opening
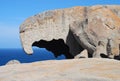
column 57, row 47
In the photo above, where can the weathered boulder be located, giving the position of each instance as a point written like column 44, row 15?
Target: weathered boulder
column 63, row 70
column 101, row 24
column 13, row 62
column 51, row 25
column 79, row 27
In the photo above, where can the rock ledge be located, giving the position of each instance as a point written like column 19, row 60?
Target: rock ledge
column 63, row 70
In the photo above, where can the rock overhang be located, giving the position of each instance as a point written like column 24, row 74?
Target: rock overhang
column 55, row 25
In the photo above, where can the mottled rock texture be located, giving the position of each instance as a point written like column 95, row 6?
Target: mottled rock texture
column 79, row 27
column 63, row 70
column 13, row 62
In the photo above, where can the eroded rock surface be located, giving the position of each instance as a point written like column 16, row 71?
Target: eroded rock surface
column 13, row 62
column 79, row 27
column 63, row 70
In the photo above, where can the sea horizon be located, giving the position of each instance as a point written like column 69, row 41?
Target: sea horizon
column 40, row 54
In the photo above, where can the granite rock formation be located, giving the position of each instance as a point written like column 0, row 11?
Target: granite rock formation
column 79, row 27
column 91, row 69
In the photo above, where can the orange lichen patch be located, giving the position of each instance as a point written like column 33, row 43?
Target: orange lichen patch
column 110, row 75
column 109, row 15
column 75, row 12
column 95, row 8
column 115, row 50
column 114, row 18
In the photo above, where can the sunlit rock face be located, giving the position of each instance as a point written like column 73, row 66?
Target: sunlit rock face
column 79, row 27
column 88, row 69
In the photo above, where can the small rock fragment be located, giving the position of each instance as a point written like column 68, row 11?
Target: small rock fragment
column 13, row 62
column 83, row 54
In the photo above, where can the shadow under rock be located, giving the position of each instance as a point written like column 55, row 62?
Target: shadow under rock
column 57, row 47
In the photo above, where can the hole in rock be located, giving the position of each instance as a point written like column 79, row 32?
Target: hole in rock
column 57, row 47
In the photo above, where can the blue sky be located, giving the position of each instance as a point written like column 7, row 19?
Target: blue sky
column 14, row 12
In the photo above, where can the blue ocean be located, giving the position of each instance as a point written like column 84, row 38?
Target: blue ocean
column 19, row 54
